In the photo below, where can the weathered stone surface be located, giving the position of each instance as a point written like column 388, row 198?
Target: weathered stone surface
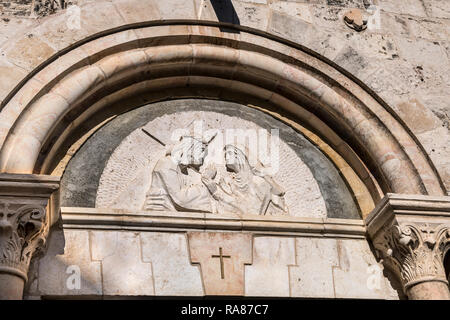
column 269, row 273
column 68, row 257
column 123, row 271
column 222, row 257
column 298, row 10
column 138, row 10
column 288, row 27
column 427, row 54
column 11, row 75
column 313, row 274
column 29, row 52
column 411, row 7
column 438, row 8
column 251, row 15
column 439, row 150
column 11, row 26
column 358, row 275
column 417, row 116
column 337, row 269
column 173, row 9
column 172, row 272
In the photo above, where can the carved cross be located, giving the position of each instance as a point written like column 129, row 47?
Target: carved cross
column 221, row 257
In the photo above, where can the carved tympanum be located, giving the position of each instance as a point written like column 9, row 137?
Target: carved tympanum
column 415, row 251
column 23, row 231
column 180, row 182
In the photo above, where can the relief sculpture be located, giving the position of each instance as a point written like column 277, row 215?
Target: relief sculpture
column 181, row 182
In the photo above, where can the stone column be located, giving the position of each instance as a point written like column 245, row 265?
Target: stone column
column 25, row 219
column 411, row 235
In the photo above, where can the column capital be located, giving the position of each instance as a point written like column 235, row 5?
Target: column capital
column 411, row 233
column 25, row 219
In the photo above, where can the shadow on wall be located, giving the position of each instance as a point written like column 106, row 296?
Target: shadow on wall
column 225, row 12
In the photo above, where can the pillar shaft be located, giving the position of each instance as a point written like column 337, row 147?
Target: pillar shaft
column 11, row 287
column 429, row 290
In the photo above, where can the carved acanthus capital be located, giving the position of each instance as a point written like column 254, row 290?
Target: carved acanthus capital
column 412, row 234
column 415, row 251
column 24, row 219
column 23, row 230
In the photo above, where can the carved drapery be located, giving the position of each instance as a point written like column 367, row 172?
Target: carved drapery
column 411, row 234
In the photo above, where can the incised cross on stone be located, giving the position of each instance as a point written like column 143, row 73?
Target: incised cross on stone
column 221, row 257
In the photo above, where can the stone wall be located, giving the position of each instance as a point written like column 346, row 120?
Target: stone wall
column 119, row 263
column 404, row 58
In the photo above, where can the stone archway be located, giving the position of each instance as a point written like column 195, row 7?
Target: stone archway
column 90, row 82
column 304, row 86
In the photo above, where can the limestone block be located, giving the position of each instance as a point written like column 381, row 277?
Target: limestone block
column 17, row 104
column 29, row 51
column 172, row 272
column 312, row 276
column 433, row 29
column 390, row 78
column 122, row 63
column 175, row 9
column 394, row 24
column 351, row 60
column 67, row 254
column 65, row 63
column 298, row 10
column 330, row 17
column 12, row 26
column 123, row 271
column 252, row 15
column 138, row 10
column 418, row 118
column 11, row 75
column 62, row 30
column 72, row 88
column 358, row 275
column 423, row 53
column 151, row 36
column 437, row 144
column 300, row 31
column 438, row 8
column 410, row 7
column 269, row 273
column 121, row 41
column 222, row 257
column 58, row 33
column 205, row 10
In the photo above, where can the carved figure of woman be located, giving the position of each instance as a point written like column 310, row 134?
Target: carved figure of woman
column 245, row 189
